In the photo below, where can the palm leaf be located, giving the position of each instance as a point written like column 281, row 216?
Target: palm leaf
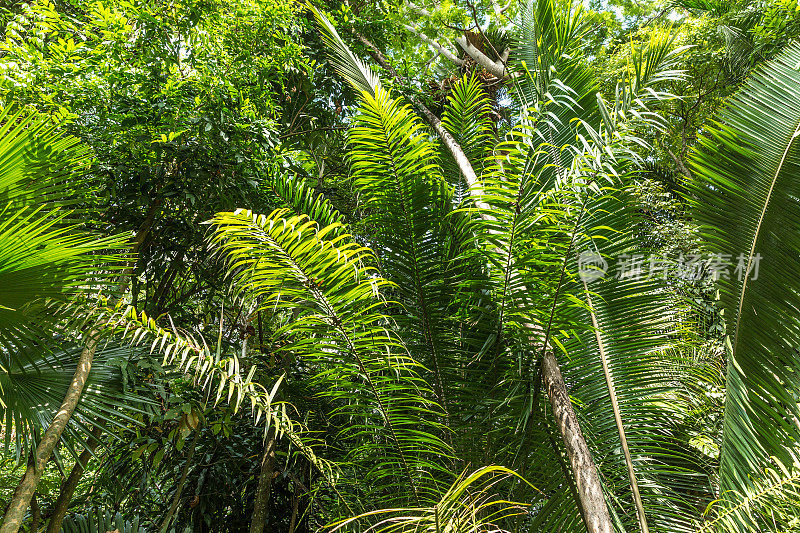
column 771, row 502
column 393, row 169
column 634, row 318
column 470, row 504
column 350, row 67
column 43, row 254
column 31, row 392
column 39, row 165
column 292, row 192
column 557, row 86
column 327, row 300
column 746, row 197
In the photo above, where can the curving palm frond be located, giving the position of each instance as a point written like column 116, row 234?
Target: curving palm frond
column 351, row 68
column 651, row 65
column 557, row 88
column 44, row 253
column 746, row 197
column 470, row 504
column 770, row 503
column 327, row 300
column 296, row 194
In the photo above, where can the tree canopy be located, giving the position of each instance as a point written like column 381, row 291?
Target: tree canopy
column 400, row 266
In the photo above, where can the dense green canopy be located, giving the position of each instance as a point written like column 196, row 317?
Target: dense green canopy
column 398, row 266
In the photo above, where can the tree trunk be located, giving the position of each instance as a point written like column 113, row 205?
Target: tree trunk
column 176, row 500
column 435, row 122
column 295, row 506
column 36, row 514
column 68, row 487
column 21, row 499
column 587, row 481
column 259, row 519
column 24, row 492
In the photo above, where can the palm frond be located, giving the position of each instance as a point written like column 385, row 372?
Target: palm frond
column 747, row 199
column 292, row 192
column 31, row 391
column 634, row 317
column 39, row 165
column 44, row 254
column 470, row 504
column 350, row 67
column 651, row 66
column 394, row 171
column 556, row 86
column 770, row 504
column 328, row 301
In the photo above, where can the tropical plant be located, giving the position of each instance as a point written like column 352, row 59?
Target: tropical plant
column 501, row 258
column 44, row 255
column 479, row 289
column 748, row 169
column 332, row 303
column 469, row 504
column 32, row 389
column 47, row 259
column 100, row 521
column 549, row 201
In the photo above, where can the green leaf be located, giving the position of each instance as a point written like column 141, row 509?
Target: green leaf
column 747, row 196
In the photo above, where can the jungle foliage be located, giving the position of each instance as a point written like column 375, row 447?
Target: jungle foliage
column 388, row 266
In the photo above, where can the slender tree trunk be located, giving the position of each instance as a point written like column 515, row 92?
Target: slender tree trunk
column 587, row 481
column 295, row 506
column 21, row 499
column 176, row 500
column 68, row 487
column 24, row 492
column 36, row 514
column 259, row 519
column 565, row 469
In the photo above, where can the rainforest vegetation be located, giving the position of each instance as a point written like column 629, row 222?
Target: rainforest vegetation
column 442, row 266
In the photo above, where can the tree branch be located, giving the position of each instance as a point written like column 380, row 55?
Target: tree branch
column 679, row 163
column 68, row 487
column 495, row 68
column 449, row 141
column 176, row 499
column 438, row 47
